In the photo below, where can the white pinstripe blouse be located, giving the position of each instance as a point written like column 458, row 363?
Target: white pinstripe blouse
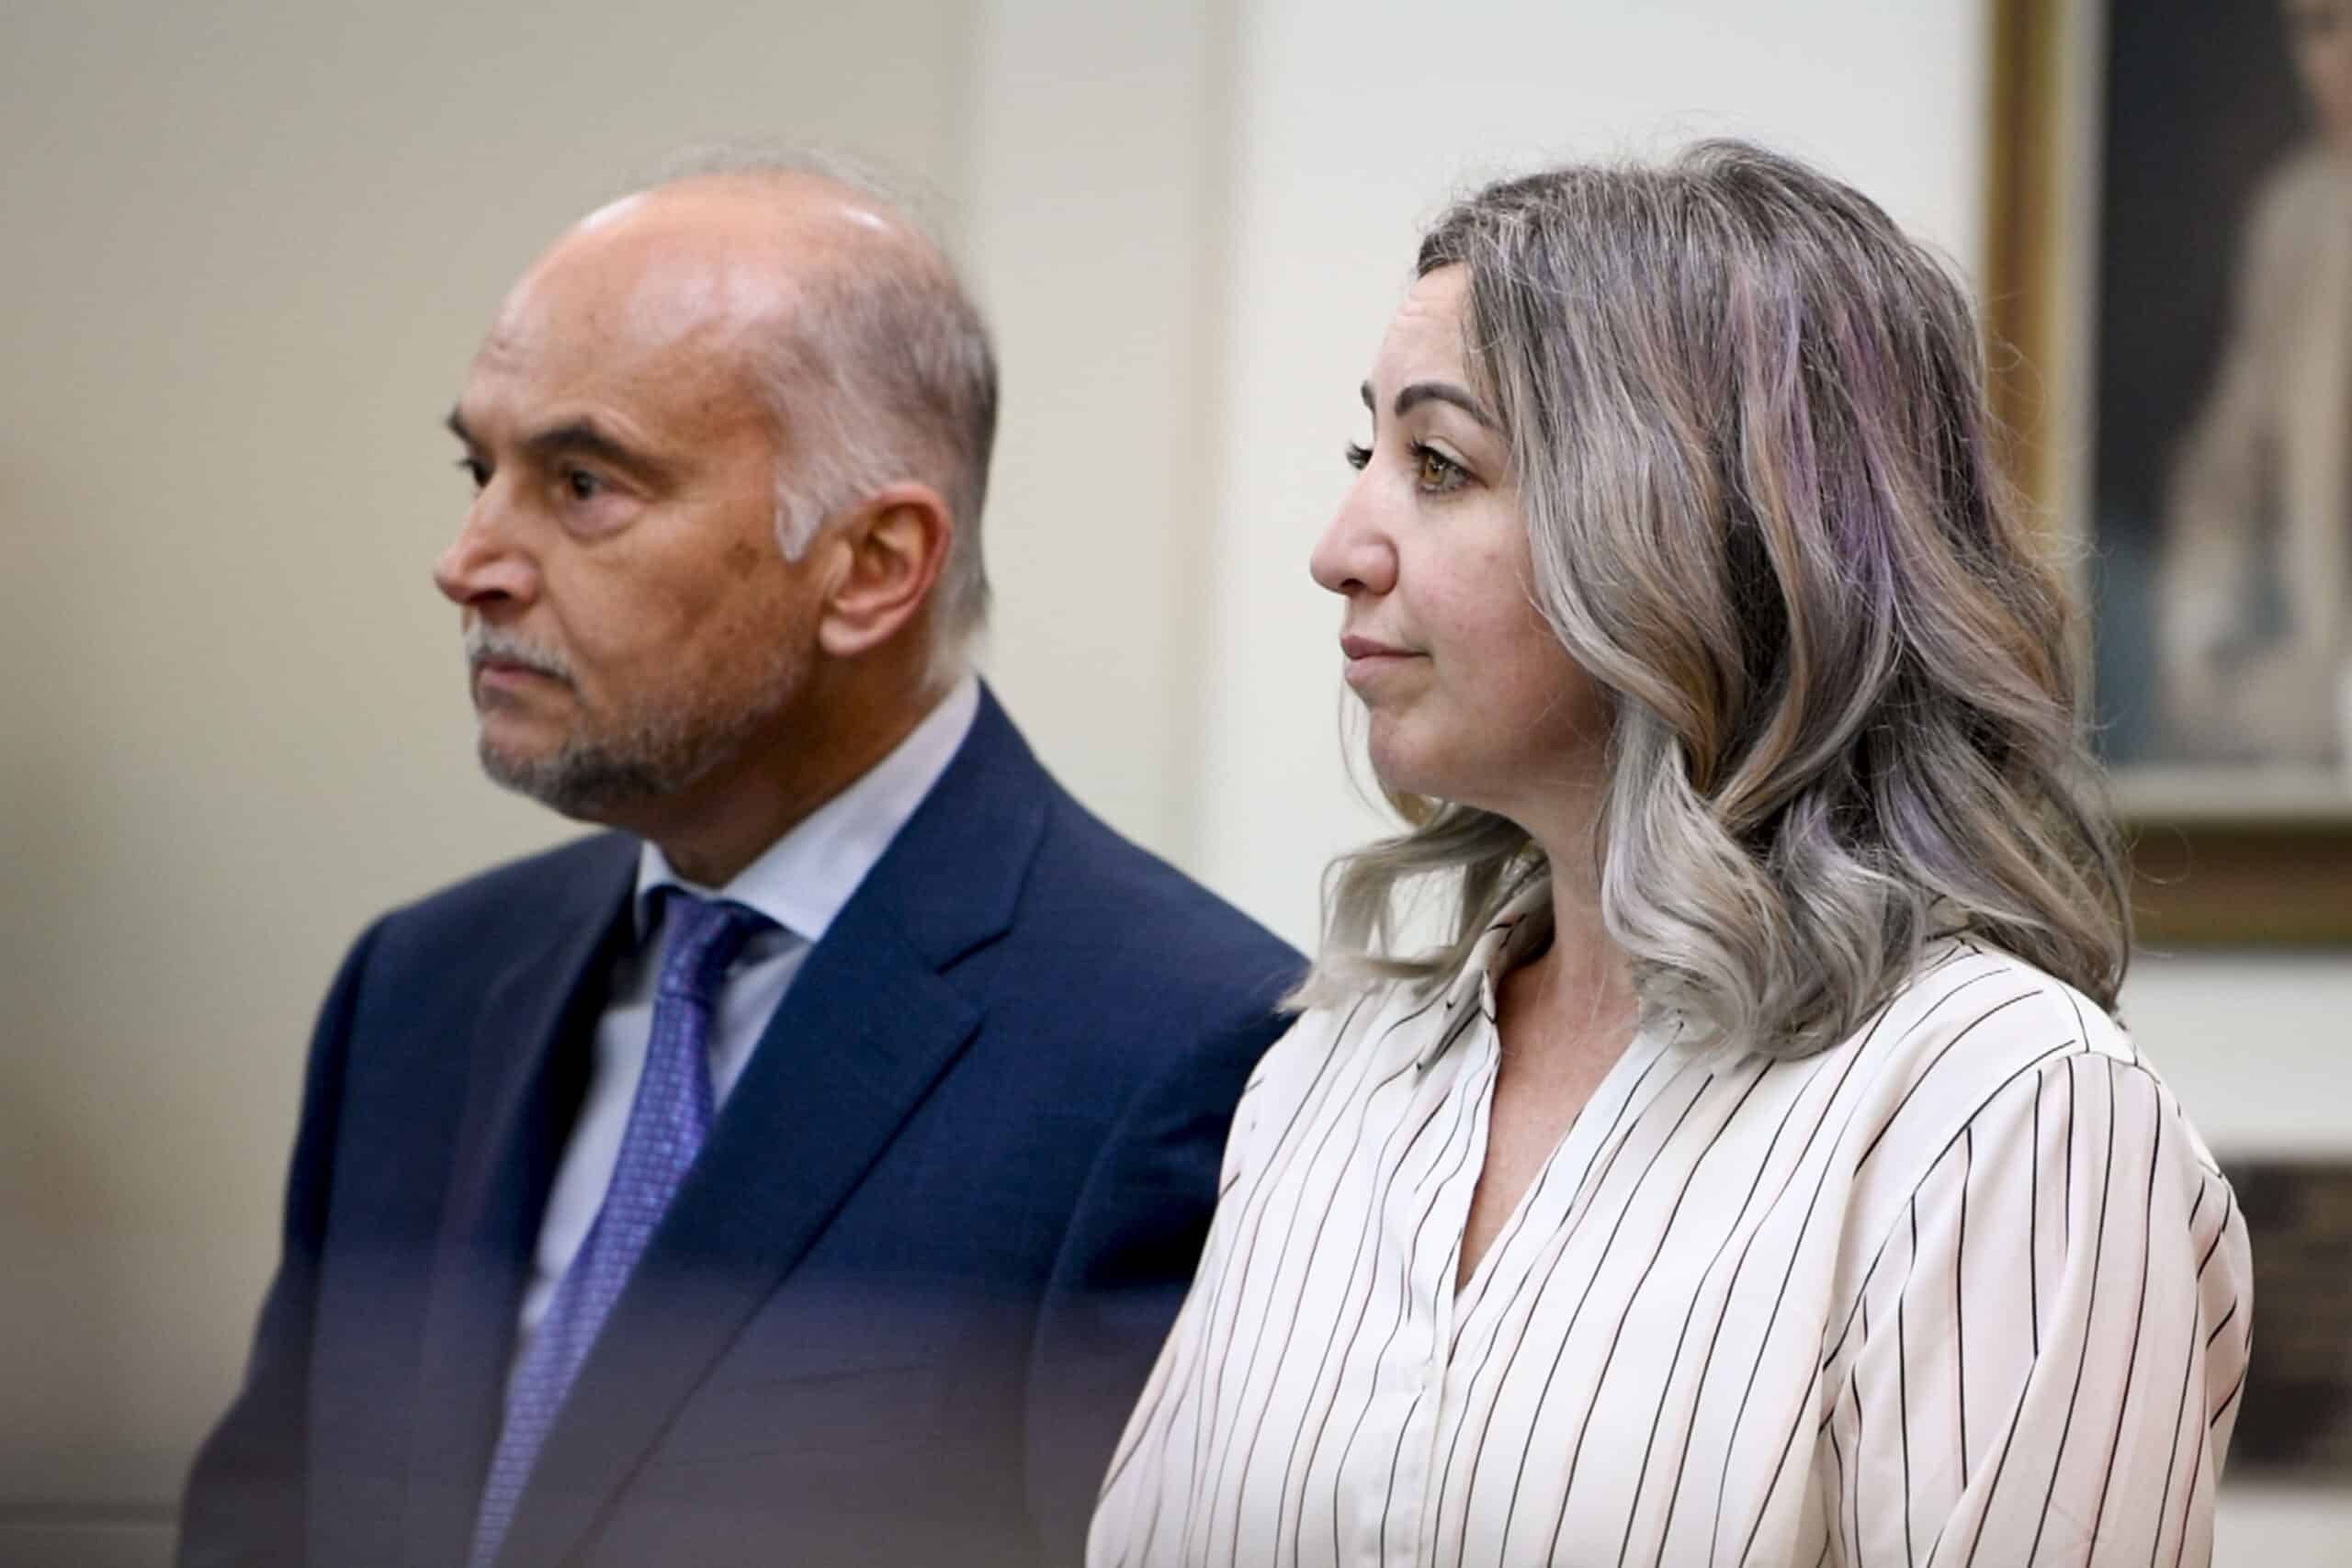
column 1965, row 1289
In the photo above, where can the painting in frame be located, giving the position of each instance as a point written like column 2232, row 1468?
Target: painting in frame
column 2167, row 280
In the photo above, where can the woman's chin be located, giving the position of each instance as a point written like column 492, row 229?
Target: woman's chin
column 1405, row 769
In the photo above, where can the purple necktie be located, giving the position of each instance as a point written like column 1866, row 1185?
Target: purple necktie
column 667, row 1124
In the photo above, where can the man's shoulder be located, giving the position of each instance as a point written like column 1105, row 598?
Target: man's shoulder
column 585, row 874
column 1111, row 900
column 1093, row 900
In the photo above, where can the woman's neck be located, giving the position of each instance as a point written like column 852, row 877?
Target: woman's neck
column 1576, row 997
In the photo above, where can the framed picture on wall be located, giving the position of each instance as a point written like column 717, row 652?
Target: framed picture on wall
column 2169, row 287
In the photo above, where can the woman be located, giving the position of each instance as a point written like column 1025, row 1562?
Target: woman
column 1756, row 1173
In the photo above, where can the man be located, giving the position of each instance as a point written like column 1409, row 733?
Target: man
column 806, row 1171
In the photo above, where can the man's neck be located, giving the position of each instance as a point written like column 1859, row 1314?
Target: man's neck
column 710, row 831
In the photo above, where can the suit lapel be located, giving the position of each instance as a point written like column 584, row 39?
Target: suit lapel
column 869, row 1025
column 531, row 1061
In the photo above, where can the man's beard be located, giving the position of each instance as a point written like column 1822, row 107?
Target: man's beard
column 603, row 767
column 591, row 779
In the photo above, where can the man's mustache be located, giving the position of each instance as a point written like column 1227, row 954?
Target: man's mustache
column 486, row 644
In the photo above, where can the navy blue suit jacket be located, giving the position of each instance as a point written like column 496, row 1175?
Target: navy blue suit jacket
column 899, row 1309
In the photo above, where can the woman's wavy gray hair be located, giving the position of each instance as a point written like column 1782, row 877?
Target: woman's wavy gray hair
column 1748, row 432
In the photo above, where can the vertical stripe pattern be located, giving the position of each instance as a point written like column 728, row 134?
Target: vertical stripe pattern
column 1965, row 1289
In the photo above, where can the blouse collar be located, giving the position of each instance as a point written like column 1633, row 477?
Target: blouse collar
column 1499, row 949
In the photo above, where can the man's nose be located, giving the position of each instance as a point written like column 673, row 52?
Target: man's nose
column 485, row 565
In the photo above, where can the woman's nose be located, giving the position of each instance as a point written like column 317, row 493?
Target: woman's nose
column 1354, row 556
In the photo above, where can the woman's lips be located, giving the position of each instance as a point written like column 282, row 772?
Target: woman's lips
column 1367, row 659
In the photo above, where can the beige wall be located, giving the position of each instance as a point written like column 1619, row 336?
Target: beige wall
column 1095, row 205
column 248, row 250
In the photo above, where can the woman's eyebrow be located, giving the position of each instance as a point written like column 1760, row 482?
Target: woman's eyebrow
column 1437, row 391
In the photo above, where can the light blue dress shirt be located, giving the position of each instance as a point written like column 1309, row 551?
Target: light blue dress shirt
column 800, row 882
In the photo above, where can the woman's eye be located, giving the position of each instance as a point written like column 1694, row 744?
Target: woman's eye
column 475, row 471
column 1433, row 470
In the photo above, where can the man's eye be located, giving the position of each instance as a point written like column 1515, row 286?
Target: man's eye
column 581, row 484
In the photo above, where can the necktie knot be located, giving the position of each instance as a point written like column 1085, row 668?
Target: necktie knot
column 705, row 937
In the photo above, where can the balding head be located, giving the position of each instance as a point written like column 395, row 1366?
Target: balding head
column 777, row 234
column 844, row 315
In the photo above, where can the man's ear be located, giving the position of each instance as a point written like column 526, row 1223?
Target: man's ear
column 895, row 543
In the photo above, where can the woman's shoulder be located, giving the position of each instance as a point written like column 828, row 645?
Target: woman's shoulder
column 1986, row 1075
column 1394, row 1016
column 1361, row 1012
column 1973, row 1032
column 1323, row 1046
column 2007, row 1011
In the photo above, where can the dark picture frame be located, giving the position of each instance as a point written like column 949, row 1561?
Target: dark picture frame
column 2105, row 313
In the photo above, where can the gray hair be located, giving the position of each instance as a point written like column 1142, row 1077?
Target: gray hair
column 1765, row 510
column 888, row 375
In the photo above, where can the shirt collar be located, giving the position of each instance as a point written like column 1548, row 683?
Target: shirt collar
column 803, row 879
column 1499, row 947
